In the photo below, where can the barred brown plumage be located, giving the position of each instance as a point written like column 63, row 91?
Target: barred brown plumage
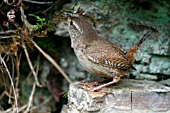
column 97, row 55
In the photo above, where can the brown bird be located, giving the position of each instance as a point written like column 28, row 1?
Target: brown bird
column 97, row 55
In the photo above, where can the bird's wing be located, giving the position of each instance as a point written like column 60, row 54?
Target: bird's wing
column 107, row 54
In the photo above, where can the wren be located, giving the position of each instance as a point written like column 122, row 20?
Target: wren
column 97, row 55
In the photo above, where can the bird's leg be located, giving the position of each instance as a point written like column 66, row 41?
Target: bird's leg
column 115, row 80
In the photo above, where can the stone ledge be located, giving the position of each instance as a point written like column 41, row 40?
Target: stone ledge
column 128, row 96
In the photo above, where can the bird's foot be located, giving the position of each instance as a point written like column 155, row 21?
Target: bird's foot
column 90, row 84
column 93, row 89
column 99, row 87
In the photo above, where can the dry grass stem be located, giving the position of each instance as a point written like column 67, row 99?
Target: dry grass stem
column 49, row 58
column 35, row 2
column 31, row 66
column 30, row 99
column 13, row 88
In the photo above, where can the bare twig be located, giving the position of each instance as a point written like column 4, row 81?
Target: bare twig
column 23, row 18
column 31, row 66
column 30, row 99
column 5, row 37
column 8, row 32
column 6, row 93
column 15, row 95
column 57, row 4
column 14, row 2
column 12, row 74
column 17, row 64
column 36, row 2
column 35, row 65
column 53, row 62
column 19, row 109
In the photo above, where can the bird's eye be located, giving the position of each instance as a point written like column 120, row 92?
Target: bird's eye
column 71, row 22
column 75, row 26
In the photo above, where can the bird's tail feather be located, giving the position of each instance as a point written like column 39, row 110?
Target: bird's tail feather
column 133, row 49
column 143, row 39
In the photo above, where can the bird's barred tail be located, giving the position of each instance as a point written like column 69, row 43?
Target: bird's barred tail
column 143, row 38
column 133, row 49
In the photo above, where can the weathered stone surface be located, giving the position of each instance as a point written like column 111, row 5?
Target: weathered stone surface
column 128, row 96
column 152, row 101
column 166, row 82
column 160, row 66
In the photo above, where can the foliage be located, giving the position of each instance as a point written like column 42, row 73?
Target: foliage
column 41, row 23
column 18, row 72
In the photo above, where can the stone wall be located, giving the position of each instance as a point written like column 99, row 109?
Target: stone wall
column 129, row 96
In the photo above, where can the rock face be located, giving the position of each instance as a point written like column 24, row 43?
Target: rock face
column 129, row 96
column 124, row 23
